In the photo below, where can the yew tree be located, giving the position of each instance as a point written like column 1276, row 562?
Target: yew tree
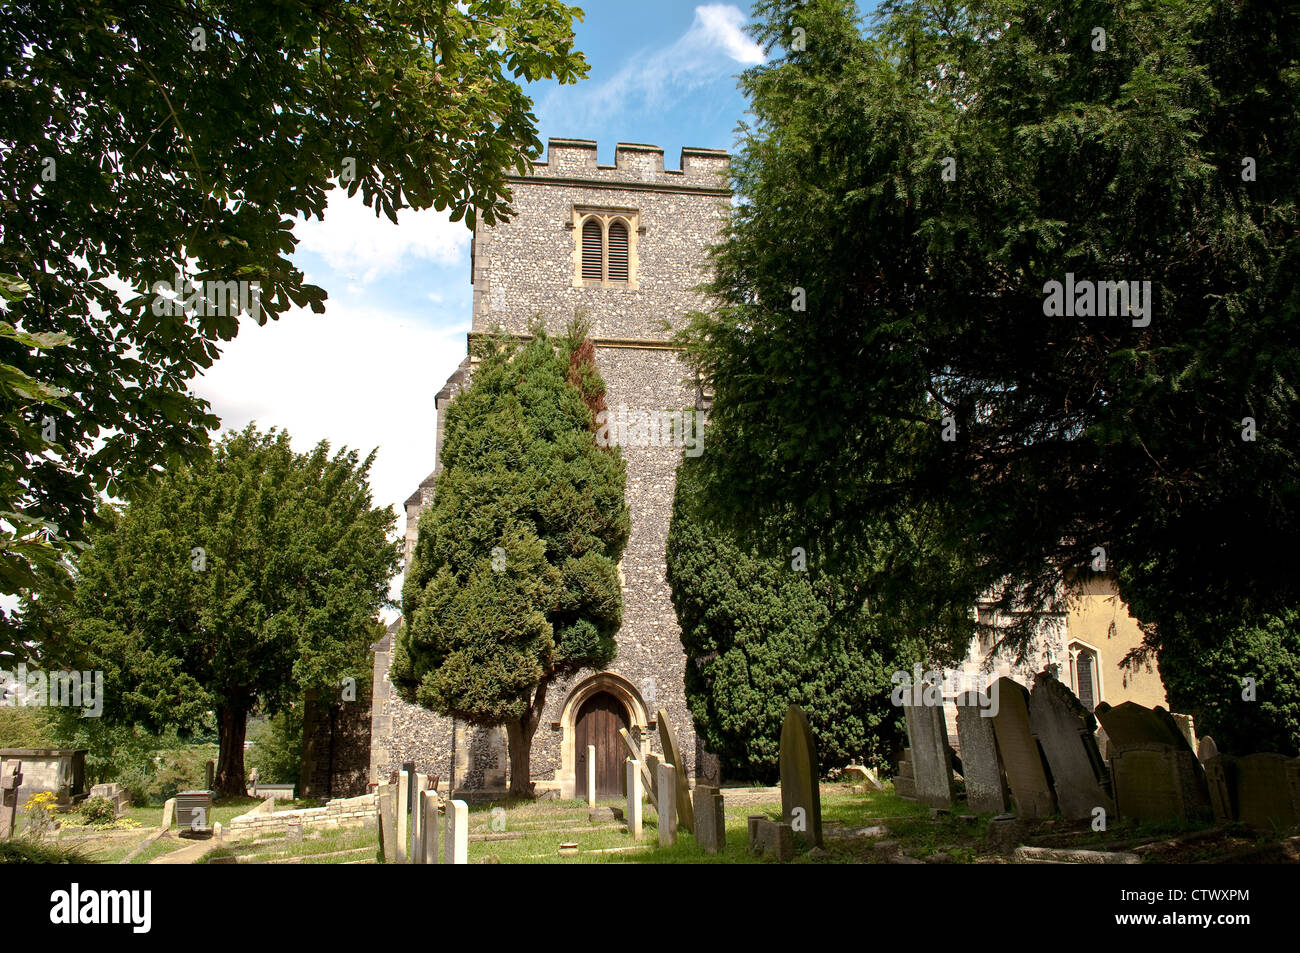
column 514, row 581
column 235, row 584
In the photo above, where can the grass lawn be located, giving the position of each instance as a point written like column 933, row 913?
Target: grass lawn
column 325, row 846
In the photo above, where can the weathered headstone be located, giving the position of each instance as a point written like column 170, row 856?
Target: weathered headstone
column 710, row 819
column 1159, row 782
column 633, row 773
column 1021, row 758
column 417, row 821
column 1263, row 797
column 591, row 776
column 1221, row 779
column 1129, row 724
column 801, row 800
column 647, row 776
column 1186, row 727
column 771, row 838
column 429, row 827
column 388, row 823
column 904, row 781
column 11, row 782
column 1064, row 729
column 986, row 789
column 673, row 754
column 927, row 736
column 169, row 813
column 668, row 805
column 1206, row 749
column 457, row 833
column 403, row 816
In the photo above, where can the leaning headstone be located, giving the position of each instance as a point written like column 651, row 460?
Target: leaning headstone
column 801, row 800
column 634, row 798
column 1206, row 749
column 647, row 775
column 169, row 813
column 927, row 736
column 403, row 804
column 986, row 789
column 1021, row 757
column 1159, row 782
column 457, row 833
column 1186, row 727
column 417, row 821
column 1263, row 797
column 668, row 808
column 1064, row 729
column 1221, row 779
column 428, row 807
column 673, row 755
column 710, row 819
column 388, row 823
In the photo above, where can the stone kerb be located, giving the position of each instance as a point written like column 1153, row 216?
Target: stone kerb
column 342, row 812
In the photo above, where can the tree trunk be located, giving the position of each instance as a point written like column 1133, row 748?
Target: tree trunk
column 519, row 740
column 230, row 760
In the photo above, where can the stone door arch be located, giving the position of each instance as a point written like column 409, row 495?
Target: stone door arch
column 625, row 694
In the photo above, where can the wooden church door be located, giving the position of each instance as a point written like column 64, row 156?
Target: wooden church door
column 599, row 719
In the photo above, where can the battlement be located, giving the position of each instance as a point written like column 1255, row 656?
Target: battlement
column 634, row 161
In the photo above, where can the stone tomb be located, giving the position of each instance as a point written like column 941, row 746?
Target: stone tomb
column 927, row 734
column 770, row 838
column 1263, row 796
column 710, row 819
column 1031, row 791
column 1159, row 782
column 1064, row 729
column 801, row 800
column 986, row 787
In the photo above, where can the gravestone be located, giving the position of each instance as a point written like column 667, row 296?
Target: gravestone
column 1263, row 797
column 417, row 821
column 647, row 776
column 986, row 789
column 673, row 755
column 770, row 838
column 1186, row 727
column 456, row 834
column 668, row 810
column 1159, row 782
column 428, row 807
column 927, row 735
column 710, row 819
column 1129, row 724
column 904, row 782
column 403, row 815
column 1064, row 729
column 1221, row 779
column 388, row 823
column 633, row 772
column 801, row 800
column 1021, row 757
column 1206, row 749
column 11, row 782
column 591, row 776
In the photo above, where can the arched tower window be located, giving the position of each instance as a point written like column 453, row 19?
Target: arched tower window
column 617, row 251
column 593, row 258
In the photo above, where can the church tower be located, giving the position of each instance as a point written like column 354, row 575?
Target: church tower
column 623, row 244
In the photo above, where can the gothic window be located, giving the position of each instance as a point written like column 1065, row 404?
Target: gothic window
column 1083, row 665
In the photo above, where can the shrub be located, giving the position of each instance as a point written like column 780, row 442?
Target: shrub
column 98, row 811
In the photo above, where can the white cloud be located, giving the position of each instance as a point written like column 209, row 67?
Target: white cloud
column 361, row 247
column 712, row 48
column 355, row 376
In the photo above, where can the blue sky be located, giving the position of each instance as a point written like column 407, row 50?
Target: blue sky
column 365, row 373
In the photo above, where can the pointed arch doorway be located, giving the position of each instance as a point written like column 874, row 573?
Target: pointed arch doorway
column 598, row 721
